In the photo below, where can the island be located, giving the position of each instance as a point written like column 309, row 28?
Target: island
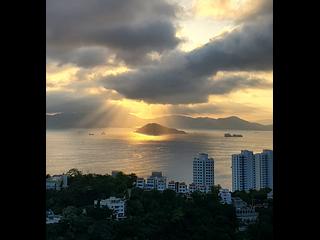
column 156, row 129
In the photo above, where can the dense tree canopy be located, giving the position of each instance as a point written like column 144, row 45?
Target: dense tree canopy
column 150, row 214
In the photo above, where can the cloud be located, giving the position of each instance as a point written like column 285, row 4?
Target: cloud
column 53, row 114
column 85, row 57
column 63, row 101
column 87, row 33
column 187, row 77
column 237, row 11
column 50, row 85
column 261, row 9
column 72, row 110
column 236, row 82
column 137, row 40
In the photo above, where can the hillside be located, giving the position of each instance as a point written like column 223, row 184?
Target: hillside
column 157, row 129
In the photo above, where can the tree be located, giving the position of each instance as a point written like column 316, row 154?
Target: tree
column 100, row 230
column 74, row 172
column 150, row 214
column 98, row 213
column 71, row 211
column 215, row 192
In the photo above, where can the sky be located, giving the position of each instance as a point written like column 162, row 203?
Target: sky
column 149, row 58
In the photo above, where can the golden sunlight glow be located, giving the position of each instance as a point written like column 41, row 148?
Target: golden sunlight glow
column 250, row 104
column 112, row 70
column 96, row 90
column 202, row 21
column 137, row 137
column 141, row 109
column 60, row 77
column 267, row 76
column 201, row 30
column 225, row 9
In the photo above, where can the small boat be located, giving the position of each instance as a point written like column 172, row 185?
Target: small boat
column 232, row 135
column 237, row 135
column 103, row 133
column 91, row 134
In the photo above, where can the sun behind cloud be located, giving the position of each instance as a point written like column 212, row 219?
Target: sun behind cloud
column 198, row 58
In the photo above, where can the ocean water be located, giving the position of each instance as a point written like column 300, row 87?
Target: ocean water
column 124, row 150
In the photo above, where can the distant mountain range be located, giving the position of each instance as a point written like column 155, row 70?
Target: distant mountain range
column 232, row 123
column 71, row 120
column 155, row 129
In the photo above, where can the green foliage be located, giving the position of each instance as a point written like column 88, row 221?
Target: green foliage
column 84, row 189
column 263, row 229
column 253, row 195
column 100, row 230
column 150, row 214
column 98, row 213
column 74, row 172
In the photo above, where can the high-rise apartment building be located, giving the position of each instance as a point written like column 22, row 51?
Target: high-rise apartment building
column 243, row 171
column 252, row 171
column 203, row 171
column 264, row 169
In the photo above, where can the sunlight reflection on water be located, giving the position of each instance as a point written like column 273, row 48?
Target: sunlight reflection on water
column 122, row 149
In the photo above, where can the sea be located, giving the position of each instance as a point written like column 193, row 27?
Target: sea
column 104, row 150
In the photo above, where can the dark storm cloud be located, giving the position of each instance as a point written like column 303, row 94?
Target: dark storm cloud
column 130, row 29
column 85, row 57
column 248, row 48
column 230, row 83
column 187, row 77
column 68, row 102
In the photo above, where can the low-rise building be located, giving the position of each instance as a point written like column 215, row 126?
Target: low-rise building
column 225, row 196
column 182, row 188
column 245, row 214
column 156, row 181
column 201, row 188
column 56, row 182
column 172, row 186
column 115, row 204
column 141, row 182
column 238, row 203
column 51, row 185
column 150, row 184
column 161, row 184
column 192, row 188
column 198, row 188
column 178, row 187
column 51, row 218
